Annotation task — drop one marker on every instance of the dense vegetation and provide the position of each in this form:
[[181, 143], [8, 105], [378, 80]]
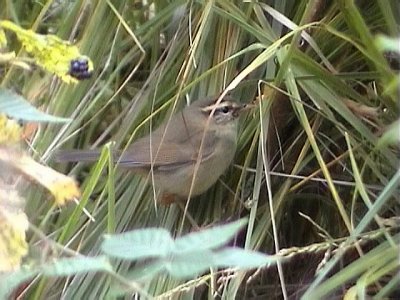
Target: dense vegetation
[[316, 171]]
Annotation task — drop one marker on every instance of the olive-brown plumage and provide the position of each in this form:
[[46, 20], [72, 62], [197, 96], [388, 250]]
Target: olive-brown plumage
[[205, 131]]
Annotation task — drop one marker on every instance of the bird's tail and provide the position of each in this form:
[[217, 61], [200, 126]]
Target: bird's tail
[[77, 155]]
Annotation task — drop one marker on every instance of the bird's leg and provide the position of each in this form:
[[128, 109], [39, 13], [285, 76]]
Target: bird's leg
[[167, 199]]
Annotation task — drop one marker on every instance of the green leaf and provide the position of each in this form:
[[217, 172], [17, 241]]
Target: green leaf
[[209, 238], [147, 270], [243, 259], [74, 265], [60, 267], [10, 281], [142, 243], [188, 265], [18, 108]]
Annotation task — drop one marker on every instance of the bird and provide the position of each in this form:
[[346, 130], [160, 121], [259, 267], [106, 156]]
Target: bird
[[186, 153]]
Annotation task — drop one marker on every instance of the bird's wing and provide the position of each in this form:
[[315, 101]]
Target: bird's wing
[[167, 155]]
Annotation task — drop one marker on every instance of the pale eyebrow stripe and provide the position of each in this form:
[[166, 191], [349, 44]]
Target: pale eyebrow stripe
[[216, 106]]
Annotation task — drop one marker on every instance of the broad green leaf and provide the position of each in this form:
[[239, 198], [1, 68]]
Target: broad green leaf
[[147, 270], [18, 108], [74, 265], [243, 259], [189, 265], [137, 244], [208, 238]]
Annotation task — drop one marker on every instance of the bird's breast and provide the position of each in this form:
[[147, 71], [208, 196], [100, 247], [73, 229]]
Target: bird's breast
[[180, 181]]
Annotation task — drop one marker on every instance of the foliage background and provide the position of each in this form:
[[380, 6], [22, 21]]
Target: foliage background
[[325, 102]]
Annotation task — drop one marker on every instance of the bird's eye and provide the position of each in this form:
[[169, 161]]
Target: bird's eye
[[224, 109]]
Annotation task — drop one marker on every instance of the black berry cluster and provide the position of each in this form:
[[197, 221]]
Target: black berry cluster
[[79, 69]]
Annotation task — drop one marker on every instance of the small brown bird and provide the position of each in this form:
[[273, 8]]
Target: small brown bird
[[204, 132]]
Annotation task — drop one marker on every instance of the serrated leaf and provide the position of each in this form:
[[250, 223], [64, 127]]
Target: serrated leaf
[[17, 107], [243, 259], [138, 244], [189, 265], [10, 281], [208, 238], [74, 265]]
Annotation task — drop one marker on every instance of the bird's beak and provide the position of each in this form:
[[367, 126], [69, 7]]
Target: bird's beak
[[248, 106], [243, 108]]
